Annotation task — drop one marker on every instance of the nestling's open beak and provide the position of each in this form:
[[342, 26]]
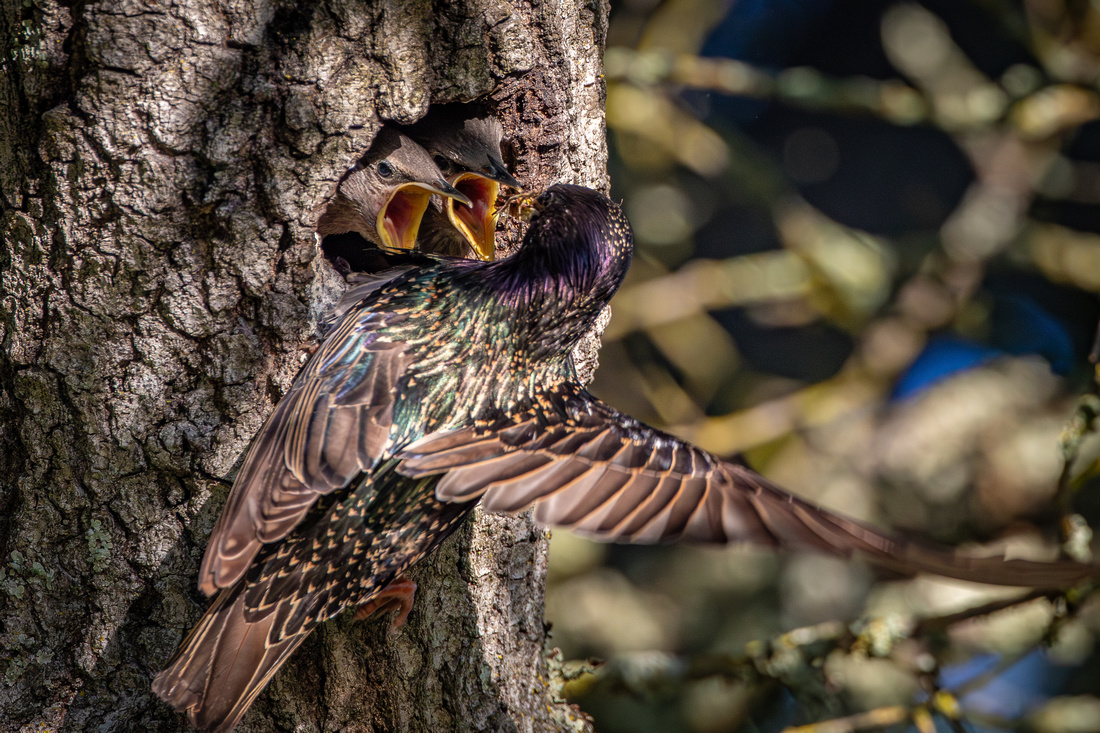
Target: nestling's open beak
[[477, 220], [399, 220]]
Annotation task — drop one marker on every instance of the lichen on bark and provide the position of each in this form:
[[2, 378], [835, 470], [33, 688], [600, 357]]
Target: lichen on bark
[[161, 170]]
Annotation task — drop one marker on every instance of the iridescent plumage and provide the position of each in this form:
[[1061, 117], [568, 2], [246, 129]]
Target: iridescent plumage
[[451, 383]]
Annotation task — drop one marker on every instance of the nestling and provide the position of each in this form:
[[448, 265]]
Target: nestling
[[384, 196], [464, 141]]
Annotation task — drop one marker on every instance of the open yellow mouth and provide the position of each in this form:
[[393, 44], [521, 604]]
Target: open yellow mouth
[[399, 220], [478, 222]]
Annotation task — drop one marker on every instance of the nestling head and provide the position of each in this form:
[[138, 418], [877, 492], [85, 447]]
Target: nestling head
[[384, 196]]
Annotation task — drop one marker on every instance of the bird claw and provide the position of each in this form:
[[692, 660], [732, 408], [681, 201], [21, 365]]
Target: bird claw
[[396, 596], [308, 349]]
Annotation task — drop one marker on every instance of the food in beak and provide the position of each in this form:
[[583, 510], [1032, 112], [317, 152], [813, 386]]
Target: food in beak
[[520, 206]]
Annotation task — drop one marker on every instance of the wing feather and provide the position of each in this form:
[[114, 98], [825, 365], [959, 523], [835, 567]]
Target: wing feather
[[567, 508], [645, 511], [465, 484], [333, 423], [675, 514], [516, 493], [591, 469]]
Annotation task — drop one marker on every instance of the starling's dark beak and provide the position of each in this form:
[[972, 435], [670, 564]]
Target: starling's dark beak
[[477, 220], [399, 220], [497, 172]]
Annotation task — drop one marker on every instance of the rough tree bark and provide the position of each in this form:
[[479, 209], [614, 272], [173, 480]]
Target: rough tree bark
[[162, 166]]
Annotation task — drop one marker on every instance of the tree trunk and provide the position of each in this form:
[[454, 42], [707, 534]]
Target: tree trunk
[[162, 167]]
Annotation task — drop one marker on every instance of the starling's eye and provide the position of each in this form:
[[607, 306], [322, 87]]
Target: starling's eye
[[547, 198], [444, 164], [385, 170]]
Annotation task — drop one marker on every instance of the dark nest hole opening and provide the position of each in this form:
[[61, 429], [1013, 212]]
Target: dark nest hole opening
[[350, 252]]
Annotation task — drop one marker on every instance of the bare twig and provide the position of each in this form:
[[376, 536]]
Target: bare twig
[[935, 624]]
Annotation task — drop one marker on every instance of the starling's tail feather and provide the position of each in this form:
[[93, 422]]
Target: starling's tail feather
[[225, 662]]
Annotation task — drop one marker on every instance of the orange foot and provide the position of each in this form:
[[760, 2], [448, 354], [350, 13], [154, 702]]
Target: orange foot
[[397, 596]]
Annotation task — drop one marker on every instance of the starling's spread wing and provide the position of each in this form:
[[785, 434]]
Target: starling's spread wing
[[603, 474], [333, 423], [592, 469]]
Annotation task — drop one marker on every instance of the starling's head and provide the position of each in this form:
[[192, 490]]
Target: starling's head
[[384, 196], [582, 236], [465, 143]]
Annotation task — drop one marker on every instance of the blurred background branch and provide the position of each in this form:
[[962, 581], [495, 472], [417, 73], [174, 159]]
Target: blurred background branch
[[812, 659]]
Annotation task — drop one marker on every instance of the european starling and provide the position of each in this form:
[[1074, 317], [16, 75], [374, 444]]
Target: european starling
[[384, 196], [464, 141], [452, 383]]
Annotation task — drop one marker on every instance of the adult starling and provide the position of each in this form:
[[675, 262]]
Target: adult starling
[[464, 141], [384, 196], [451, 383]]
